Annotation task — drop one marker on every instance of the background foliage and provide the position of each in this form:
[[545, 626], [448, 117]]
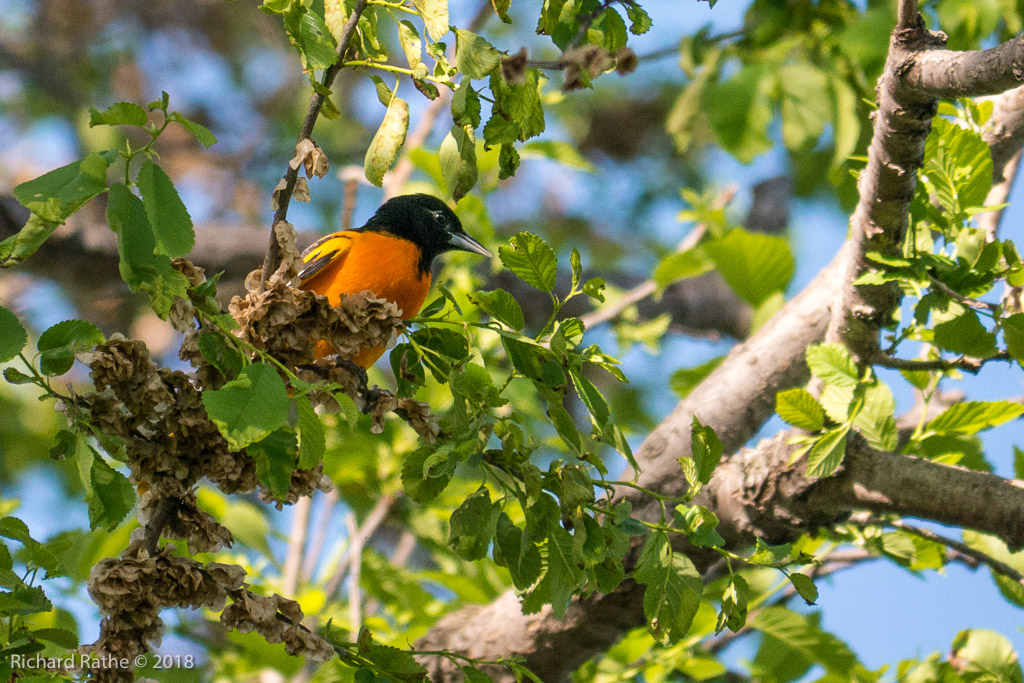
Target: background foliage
[[587, 179]]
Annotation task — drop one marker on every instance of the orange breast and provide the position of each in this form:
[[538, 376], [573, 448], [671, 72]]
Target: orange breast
[[386, 265]]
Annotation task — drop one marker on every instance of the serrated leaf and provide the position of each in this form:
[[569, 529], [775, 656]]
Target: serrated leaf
[[312, 439], [12, 335], [706, 449], [472, 526], [501, 306], [804, 585], [682, 265], [833, 364], [458, 161], [798, 408], [875, 421], [754, 264], [566, 428], [466, 105], [435, 16], [168, 217], [965, 335], [118, 114], [275, 460], [971, 417], [387, 141], [56, 195], [141, 267], [412, 46], [592, 398], [58, 345], [685, 380], [475, 57], [201, 133], [797, 637], [112, 497], [827, 453], [250, 407], [532, 260], [672, 588], [425, 474]]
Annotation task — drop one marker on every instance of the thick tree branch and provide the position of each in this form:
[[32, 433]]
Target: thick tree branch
[[316, 102], [947, 73], [757, 493]]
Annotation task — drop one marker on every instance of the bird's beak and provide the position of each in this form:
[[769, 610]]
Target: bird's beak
[[464, 242]]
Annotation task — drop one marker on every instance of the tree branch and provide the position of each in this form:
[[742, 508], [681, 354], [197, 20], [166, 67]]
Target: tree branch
[[316, 102], [947, 73]]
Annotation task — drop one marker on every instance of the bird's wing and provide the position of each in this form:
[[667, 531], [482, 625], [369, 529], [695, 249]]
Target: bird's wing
[[329, 249]]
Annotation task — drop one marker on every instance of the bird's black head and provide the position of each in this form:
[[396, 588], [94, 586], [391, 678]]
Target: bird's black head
[[427, 222]]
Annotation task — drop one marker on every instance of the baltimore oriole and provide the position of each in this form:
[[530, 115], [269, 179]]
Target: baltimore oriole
[[390, 256]]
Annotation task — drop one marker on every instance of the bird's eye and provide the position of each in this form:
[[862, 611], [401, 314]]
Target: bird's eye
[[441, 218]]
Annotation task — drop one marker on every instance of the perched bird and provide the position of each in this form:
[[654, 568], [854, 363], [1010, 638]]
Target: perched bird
[[390, 256]]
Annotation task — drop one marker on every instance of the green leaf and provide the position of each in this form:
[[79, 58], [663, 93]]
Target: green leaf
[[997, 549], [13, 336], [804, 585], [475, 675], [734, 604], [118, 114], [594, 288], [706, 448], [472, 526], [564, 573], [275, 459], [458, 161], [435, 16], [22, 244], [314, 42], [466, 105], [1018, 463], [65, 639], [796, 637], [875, 421], [474, 56], [986, 656], [566, 428], [250, 407], [412, 46], [640, 20], [966, 335], [141, 266], [754, 264], [805, 104], [426, 473], [59, 344], [312, 439], [56, 195], [827, 453], [798, 408], [672, 588], [398, 663], [517, 553], [532, 260], [387, 141], [167, 215], [201, 133], [559, 151], [501, 306], [112, 497], [682, 265], [971, 417], [1013, 333], [220, 354], [592, 398], [833, 364], [519, 103], [15, 376], [740, 112], [685, 380]]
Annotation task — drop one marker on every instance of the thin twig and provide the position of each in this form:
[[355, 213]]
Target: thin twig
[[356, 548], [965, 363], [373, 520], [649, 287], [316, 545], [296, 543], [995, 565], [957, 296], [906, 14], [316, 102]]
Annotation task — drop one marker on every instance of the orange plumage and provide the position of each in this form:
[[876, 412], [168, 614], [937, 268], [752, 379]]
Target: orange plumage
[[390, 256]]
